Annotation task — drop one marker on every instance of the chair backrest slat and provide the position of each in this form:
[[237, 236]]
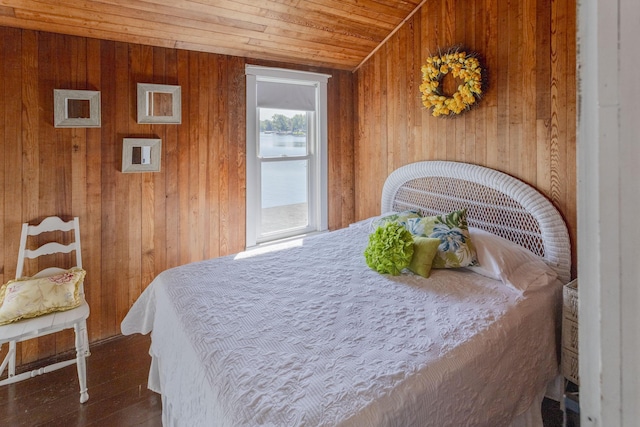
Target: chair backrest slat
[[49, 249], [49, 224], [52, 223]]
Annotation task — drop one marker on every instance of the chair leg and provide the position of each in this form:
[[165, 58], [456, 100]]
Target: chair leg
[[9, 360], [81, 352], [85, 338], [12, 358]]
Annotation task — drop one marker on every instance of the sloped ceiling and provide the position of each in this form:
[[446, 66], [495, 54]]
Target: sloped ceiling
[[327, 33]]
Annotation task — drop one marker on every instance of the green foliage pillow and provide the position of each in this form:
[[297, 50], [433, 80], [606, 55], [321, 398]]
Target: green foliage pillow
[[456, 249], [390, 249], [424, 251]]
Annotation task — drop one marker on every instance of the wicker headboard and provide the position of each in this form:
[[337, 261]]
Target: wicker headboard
[[495, 202]]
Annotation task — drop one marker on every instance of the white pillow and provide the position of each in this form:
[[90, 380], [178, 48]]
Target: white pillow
[[504, 260]]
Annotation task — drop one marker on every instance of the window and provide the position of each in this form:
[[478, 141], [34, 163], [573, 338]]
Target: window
[[286, 153]]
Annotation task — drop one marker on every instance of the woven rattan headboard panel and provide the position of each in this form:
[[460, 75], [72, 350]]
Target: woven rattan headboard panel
[[495, 202]]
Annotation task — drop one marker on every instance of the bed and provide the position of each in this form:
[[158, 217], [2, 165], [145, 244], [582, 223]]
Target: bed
[[304, 333]]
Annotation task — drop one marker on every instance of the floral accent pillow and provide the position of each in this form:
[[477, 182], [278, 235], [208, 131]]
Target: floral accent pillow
[[455, 249], [398, 217], [34, 296]]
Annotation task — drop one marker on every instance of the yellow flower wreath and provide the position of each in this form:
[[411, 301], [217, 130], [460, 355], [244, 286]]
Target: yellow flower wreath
[[461, 65]]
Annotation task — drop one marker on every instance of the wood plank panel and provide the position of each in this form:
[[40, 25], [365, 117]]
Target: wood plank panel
[[527, 163], [341, 155], [490, 23], [215, 122], [11, 159], [4, 274], [74, 149], [136, 225], [105, 311], [570, 206], [225, 152], [139, 198], [543, 100], [525, 123], [120, 256], [236, 94], [480, 119], [193, 111], [90, 226]]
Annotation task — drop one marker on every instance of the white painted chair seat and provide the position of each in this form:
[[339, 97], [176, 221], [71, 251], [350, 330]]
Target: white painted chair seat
[[75, 318], [52, 322]]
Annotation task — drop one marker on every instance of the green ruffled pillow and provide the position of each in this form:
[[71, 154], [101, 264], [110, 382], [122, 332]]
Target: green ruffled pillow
[[390, 249], [456, 249]]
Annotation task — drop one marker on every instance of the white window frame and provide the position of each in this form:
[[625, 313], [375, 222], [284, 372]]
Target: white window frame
[[318, 161]]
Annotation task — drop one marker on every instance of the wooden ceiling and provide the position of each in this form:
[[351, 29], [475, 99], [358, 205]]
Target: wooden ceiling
[[338, 34]]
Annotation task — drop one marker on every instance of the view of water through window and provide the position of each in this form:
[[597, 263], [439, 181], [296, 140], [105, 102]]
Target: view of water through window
[[284, 184]]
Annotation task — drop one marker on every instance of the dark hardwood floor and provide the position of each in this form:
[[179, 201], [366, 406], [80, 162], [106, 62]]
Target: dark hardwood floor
[[118, 396], [551, 413]]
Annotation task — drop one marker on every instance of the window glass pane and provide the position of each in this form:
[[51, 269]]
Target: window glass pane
[[282, 133], [284, 195]]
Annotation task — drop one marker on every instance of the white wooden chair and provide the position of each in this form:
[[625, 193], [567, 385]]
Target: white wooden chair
[[53, 322]]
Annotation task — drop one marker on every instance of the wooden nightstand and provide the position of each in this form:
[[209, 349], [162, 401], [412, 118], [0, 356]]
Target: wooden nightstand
[[569, 362]]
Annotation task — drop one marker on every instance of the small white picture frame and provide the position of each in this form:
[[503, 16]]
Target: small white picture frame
[[76, 108], [159, 103], [141, 155]]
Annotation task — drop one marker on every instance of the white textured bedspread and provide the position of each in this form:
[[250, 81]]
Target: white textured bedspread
[[310, 336]]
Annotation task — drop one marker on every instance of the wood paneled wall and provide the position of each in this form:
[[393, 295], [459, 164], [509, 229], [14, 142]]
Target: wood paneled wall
[[134, 226], [525, 125]]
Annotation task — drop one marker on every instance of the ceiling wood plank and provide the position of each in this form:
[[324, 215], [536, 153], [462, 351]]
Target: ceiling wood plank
[[329, 33]]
